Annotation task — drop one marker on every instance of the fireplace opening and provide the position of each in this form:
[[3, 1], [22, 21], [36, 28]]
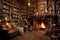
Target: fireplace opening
[[41, 25]]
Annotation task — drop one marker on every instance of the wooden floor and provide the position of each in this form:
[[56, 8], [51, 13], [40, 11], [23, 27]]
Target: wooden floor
[[34, 35]]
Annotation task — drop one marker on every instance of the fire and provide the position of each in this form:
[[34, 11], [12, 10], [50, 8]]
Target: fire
[[42, 25]]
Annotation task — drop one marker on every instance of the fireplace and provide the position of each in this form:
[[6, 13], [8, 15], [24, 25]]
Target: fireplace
[[41, 25]]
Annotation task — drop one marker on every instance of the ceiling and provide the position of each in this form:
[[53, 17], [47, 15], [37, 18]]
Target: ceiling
[[26, 1], [25, 4]]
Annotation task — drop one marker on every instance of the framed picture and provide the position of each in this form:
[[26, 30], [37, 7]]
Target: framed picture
[[41, 8]]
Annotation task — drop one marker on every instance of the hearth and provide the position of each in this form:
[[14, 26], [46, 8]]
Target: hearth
[[43, 23]]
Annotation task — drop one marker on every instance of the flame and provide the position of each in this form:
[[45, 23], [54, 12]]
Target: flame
[[42, 25]]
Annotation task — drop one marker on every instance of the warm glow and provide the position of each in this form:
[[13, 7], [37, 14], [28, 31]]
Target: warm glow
[[6, 18], [42, 25], [41, 8], [28, 4], [7, 23], [36, 13], [0, 20], [46, 10]]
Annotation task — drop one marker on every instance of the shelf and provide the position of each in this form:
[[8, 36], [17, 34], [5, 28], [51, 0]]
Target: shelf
[[10, 4], [14, 20], [6, 11], [15, 16], [6, 6], [6, 16], [15, 13], [11, 10]]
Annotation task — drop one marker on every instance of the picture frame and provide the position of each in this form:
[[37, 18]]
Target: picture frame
[[41, 9]]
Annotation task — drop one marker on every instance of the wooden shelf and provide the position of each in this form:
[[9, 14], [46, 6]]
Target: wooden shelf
[[6, 11], [15, 16], [10, 4]]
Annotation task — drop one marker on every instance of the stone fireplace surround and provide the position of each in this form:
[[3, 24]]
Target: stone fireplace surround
[[47, 20]]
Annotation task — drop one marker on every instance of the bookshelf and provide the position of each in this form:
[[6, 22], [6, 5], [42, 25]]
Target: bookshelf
[[11, 13], [10, 9]]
